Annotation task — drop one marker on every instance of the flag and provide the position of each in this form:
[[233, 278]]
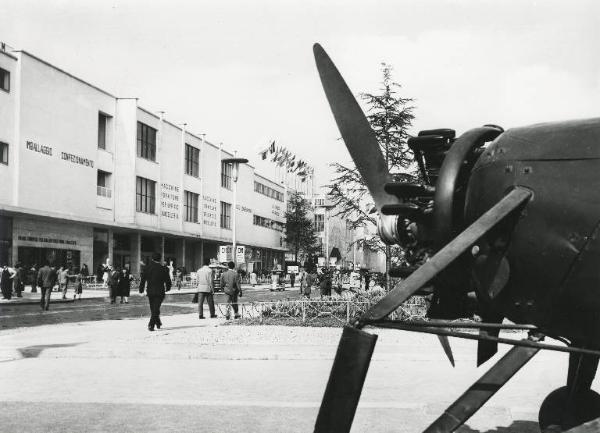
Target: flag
[[272, 147]]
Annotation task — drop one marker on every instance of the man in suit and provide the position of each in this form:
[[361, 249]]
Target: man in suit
[[159, 282], [230, 282], [46, 280]]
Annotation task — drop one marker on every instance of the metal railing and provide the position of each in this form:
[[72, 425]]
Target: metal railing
[[103, 191]]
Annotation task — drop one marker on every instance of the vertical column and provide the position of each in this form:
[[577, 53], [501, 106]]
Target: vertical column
[[136, 253], [162, 248], [181, 178], [182, 252], [157, 192], [111, 245], [201, 252]]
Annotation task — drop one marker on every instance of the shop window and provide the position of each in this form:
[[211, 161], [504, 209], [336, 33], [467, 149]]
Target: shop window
[[121, 241], [225, 215], [4, 153], [190, 204], [226, 172], [4, 80], [103, 184], [146, 141], [145, 193], [192, 161], [103, 122]]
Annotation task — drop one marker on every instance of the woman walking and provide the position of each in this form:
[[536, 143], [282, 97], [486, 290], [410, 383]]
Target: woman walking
[[124, 285]]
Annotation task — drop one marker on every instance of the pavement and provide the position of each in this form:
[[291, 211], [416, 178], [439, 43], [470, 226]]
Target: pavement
[[201, 376]]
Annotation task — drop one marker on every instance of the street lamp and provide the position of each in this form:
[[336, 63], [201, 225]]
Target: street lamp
[[235, 165]]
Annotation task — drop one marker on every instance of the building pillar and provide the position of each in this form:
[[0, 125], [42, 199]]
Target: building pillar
[[111, 246], [162, 249], [136, 253], [201, 253], [182, 253]]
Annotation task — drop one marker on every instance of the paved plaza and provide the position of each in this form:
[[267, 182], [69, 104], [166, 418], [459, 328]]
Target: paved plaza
[[206, 376]]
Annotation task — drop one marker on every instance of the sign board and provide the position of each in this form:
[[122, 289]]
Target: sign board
[[225, 253], [292, 269], [240, 254], [321, 261]]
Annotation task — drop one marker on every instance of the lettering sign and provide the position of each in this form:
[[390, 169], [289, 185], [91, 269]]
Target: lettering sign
[[243, 208], [36, 147], [76, 159], [169, 200], [46, 240], [225, 253], [209, 211], [276, 210], [47, 150]]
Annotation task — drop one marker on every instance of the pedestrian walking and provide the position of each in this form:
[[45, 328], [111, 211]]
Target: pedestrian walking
[[124, 284], [63, 280], [292, 279], [85, 272], [33, 273], [230, 282], [302, 279], [105, 275], [156, 277], [18, 280], [178, 278], [114, 276], [310, 281], [367, 280], [325, 283], [78, 284], [6, 281], [205, 290], [253, 279], [46, 280]]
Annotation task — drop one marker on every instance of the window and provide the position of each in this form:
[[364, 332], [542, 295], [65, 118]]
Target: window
[[145, 195], [225, 215], [268, 223], [319, 202], [226, 169], [269, 192], [103, 184], [319, 222], [192, 160], [102, 123], [4, 153], [4, 80], [146, 142], [190, 206]]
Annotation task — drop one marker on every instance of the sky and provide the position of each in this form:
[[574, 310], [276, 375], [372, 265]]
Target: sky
[[243, 73]]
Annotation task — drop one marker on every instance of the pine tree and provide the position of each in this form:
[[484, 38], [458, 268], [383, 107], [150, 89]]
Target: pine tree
[[390, 117], [300, 234]]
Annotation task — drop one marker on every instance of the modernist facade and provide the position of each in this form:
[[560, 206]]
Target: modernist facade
[[87, 176]]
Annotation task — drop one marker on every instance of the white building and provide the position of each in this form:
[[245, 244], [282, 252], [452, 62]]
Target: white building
[[87, 176]]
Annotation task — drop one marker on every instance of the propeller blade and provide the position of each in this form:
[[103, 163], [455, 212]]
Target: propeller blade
[[482, 390], [355, 129], [446, 256], [447, 349], [346, 380]]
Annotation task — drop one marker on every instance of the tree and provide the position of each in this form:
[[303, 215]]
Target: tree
[[390, 117], [300, 233]]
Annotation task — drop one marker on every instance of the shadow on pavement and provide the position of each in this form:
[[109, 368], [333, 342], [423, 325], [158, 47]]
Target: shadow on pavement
[[34, 351], [515, 427]]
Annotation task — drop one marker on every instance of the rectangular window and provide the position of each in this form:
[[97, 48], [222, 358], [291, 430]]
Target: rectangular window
[[268, 191], [4, 80], [102, 123], [103, 184], [226, 171], [4, 153], [190, 205], [146, 141], [145, 193], [319, 202], [319, 223], [225, 215], [192, 160]]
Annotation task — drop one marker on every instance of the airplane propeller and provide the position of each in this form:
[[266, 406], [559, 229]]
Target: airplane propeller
[[356, 346]]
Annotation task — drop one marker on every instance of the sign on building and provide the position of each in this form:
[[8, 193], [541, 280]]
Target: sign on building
[[240, 255], [225, 253]]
